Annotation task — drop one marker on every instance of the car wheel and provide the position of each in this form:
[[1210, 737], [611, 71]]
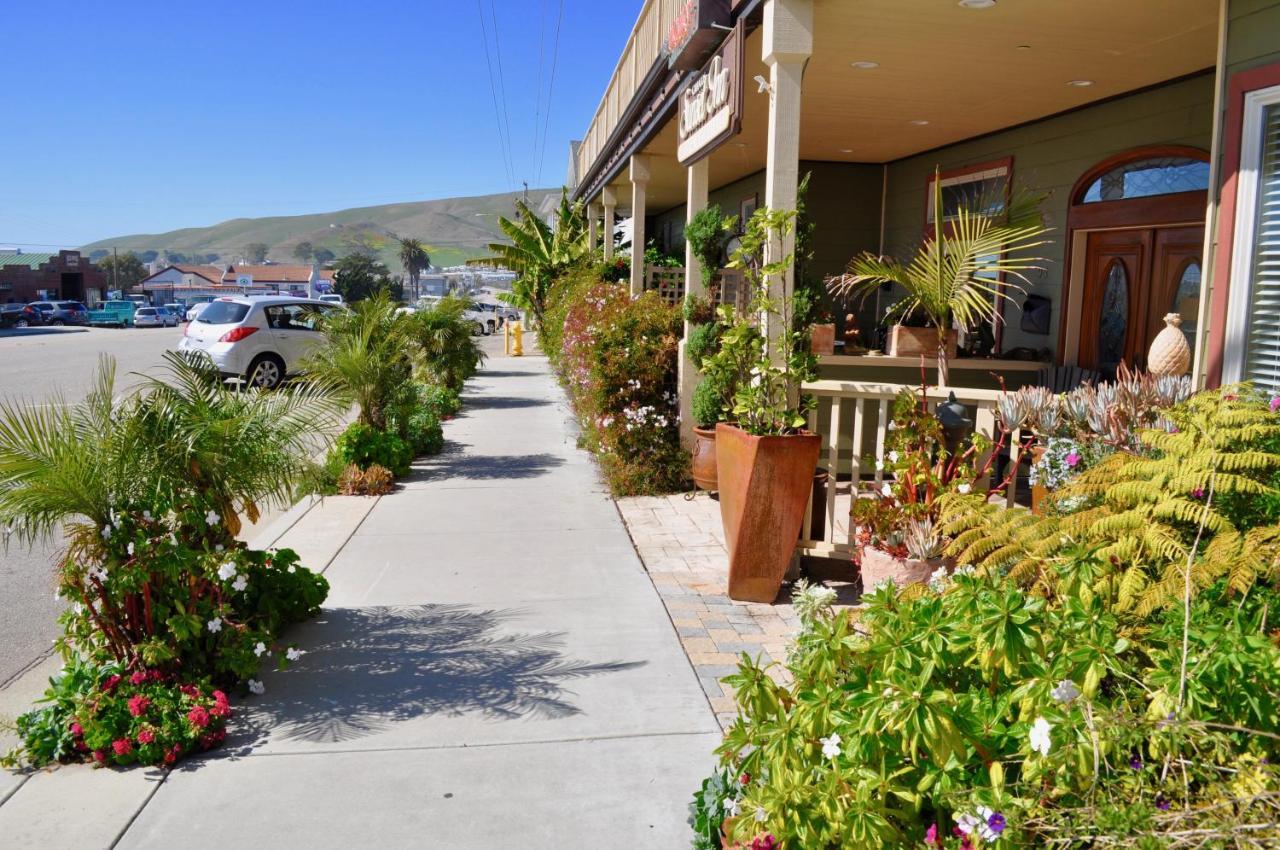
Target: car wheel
[[480, 329], [57, 323], [266, 372], [21, 323], [493, 327]]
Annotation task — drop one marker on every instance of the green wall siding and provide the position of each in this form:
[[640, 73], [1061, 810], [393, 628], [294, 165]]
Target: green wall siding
[[1253, 34], [1048, 157]]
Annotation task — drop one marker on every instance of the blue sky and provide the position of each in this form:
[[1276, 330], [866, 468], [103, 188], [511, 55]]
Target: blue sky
[[132, 116]]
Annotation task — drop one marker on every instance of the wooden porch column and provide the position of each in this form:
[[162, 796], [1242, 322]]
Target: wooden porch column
[[695, 202], [610, 199], [593, 230], [788, 43], [639, 183]]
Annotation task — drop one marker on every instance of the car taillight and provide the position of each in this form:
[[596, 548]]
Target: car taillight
[[237, 334]]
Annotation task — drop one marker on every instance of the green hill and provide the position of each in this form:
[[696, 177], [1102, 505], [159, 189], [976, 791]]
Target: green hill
[[453, 229]]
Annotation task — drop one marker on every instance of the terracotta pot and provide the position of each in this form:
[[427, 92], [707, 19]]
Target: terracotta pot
[[765, 484], [822, 339], [1169, 353], [704, 459], [878, 565], [911, 342], [1038, 491]]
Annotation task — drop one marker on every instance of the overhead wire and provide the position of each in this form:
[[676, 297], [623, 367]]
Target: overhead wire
[[493, 90], [555, 57], [502, 90], [537, 99]]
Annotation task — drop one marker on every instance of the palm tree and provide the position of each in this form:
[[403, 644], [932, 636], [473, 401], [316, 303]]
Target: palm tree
[[538, 252], [365, 355], [958, 275], [415, 259], [447, 353], [186, 438]]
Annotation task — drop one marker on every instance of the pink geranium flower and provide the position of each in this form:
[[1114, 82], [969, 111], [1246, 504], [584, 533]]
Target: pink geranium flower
[[198, 716], [76, 729], [138, 704], [110, 684], [1275, 404], [122, 746], [146, 736], [139, 677], [1073, 459]]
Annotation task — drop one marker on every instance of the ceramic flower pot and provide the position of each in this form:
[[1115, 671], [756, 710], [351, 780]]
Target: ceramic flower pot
[[878, 566], [765, 484], [705, 475], [913, 342], [1169, 353], [822, 339]]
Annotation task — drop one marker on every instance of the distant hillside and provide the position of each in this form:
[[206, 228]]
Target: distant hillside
[[453, 229]]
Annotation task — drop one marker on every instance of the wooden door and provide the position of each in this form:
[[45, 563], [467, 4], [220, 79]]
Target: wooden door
[[1132, 279]]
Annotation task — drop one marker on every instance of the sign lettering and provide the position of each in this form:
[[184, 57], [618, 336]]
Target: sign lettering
[[710, 108]]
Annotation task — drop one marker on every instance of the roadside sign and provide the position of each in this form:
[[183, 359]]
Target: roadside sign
[[244, 280]]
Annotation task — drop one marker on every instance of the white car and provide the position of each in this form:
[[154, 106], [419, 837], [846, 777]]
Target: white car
[[261, 340], [149, 317], [332, 298], [195, 309]]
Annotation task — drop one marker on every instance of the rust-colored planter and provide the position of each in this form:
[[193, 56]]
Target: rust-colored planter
[[764, 488], [822, 339], [911, 342], [878, 566], [704, 459]]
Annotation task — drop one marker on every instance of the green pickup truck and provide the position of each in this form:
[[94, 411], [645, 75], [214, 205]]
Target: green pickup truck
[[117, 314]]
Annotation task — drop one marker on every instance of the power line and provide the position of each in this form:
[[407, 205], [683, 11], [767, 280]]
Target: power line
[[502, 89], [555, 57], [537, 99], [488, 61]]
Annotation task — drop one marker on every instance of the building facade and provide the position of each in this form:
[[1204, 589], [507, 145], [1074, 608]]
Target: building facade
[[1149, 128], [65, 275]]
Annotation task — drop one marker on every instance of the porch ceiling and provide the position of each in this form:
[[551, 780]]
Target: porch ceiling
[[964, 71]]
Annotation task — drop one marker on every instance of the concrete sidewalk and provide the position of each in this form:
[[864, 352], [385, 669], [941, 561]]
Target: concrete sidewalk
[[493, 669]]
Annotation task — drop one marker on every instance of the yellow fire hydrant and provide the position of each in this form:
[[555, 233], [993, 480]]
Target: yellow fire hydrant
[[517, 333]]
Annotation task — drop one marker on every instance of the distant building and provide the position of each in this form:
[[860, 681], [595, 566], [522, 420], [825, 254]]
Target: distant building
[[65, 275], [187, 283]]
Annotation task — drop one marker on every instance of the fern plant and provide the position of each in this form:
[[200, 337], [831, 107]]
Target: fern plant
[[1148, 513]]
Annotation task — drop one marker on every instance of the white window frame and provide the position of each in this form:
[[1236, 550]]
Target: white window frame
[[1235, 342], [1002, 170]]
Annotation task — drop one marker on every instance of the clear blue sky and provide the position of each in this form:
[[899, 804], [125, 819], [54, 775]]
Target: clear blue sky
[[140, 116]]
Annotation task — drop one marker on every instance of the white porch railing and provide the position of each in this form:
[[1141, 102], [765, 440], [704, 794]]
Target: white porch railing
[[728, 288], [852, 417]]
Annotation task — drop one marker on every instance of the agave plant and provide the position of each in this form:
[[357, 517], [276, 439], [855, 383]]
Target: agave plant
[[1036, 408], [923, 541], [955, 278]]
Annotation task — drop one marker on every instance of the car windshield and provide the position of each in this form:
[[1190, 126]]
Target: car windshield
[[223, 313], [146, 311]]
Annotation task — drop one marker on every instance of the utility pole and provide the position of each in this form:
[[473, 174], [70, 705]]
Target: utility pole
[[115, 269], [526, 193]]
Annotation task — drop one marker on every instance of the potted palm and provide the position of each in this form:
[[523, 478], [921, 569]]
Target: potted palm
[[765, 459], [956, 278]]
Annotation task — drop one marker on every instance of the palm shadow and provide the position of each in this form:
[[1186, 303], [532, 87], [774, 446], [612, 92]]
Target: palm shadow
[[370, 668], [455, 464], [500, 403]]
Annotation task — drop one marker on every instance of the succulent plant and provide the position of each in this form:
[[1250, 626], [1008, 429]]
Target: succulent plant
[[1036, 408], [923, 541]]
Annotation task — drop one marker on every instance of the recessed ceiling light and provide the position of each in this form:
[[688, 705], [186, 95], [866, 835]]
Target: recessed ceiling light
[[1080, 83], [977, 4], [920, 122], [846, 150], [1023, 47], [865, 64]]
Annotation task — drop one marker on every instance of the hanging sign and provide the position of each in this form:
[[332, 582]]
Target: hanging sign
[[709, 111], [694, 32]]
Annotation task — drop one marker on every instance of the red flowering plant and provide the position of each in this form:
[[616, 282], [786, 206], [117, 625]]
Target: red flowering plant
[[919, 466]]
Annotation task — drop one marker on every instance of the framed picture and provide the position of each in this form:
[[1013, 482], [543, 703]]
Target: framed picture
[[746, 209]]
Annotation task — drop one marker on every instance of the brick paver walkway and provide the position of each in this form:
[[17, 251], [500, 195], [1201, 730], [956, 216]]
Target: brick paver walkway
[[681, 542]]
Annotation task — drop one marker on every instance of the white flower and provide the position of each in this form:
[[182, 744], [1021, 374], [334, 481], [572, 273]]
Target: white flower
[[1040, 741], [979, 822], [886, 490], [879, 465], [146, 515], [893, 457], [106, 531], [292, 568], [831, 746], [227, 571], [173, 539], [1065, 691], [99, 573], [219, 548], [293, 653], [240, 584], [964, 489], [259, 649], [257, 687], [129, 549], [211, 518], [761, 814], [939, 579], [215, 625], [730, 807]]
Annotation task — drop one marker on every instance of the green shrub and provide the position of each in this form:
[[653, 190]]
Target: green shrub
[[703, 342], [365, 446], [443, 401], [708, 403], [423, 432], [447, 353]]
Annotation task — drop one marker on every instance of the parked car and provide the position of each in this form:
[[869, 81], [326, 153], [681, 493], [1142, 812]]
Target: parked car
[[260, 340], [114, 313], [172, 314], [332, 298], [497, 316], [19, 316], [149, 317], [194, 310], [59, 313]]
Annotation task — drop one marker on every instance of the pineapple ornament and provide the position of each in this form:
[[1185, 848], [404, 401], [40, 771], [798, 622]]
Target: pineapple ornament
[[1170, 354]]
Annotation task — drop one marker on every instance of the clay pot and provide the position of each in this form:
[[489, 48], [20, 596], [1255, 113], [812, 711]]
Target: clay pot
[[878, 565], [822, 339], [1038, 491], [765, 484], [704, 459], [912, 342], [1169, 353]]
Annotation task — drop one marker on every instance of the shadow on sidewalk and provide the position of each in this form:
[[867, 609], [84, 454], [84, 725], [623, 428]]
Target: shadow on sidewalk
[[369, 668], [491, 373], [454, 463], [499, 402]]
